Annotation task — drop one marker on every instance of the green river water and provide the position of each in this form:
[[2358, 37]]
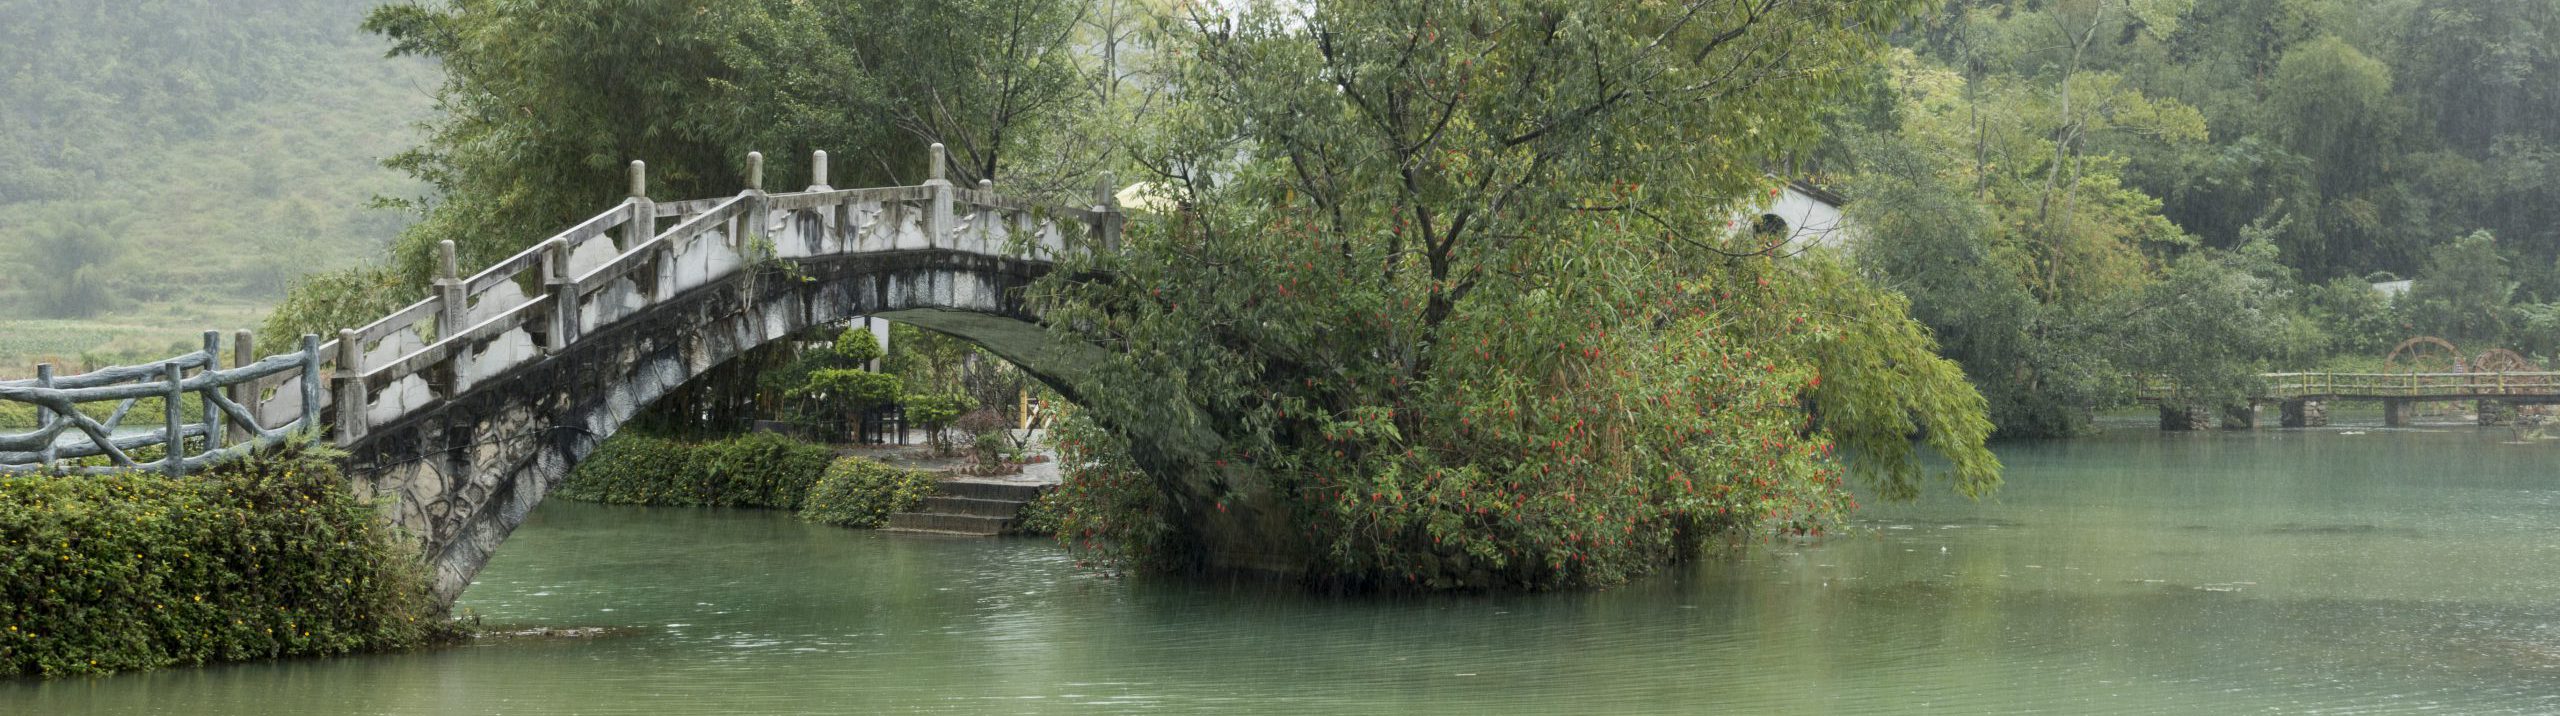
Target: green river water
[[2318, 571]]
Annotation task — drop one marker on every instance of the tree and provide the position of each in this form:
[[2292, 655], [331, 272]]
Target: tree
[[2464, 293], [2018, 252], [2213, 322], [67, 274], [1461, 283], [830, 385]]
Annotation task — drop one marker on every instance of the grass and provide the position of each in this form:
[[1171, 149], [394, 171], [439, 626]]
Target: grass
[[140, 334]]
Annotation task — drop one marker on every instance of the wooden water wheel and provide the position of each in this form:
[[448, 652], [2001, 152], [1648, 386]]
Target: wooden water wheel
[[2425, 354], [2501, 360], [2504, 362]]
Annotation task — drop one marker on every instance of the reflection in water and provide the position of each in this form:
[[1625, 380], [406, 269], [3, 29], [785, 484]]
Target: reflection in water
[[2132, 573]]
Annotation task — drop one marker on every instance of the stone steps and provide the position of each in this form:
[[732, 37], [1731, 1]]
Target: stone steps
[[1016, 492], [966, 507], [971, 506], [946, 523]]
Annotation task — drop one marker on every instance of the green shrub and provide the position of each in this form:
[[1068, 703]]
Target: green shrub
[[266, 557], [863, 493], [756, 470], [1039, 516]]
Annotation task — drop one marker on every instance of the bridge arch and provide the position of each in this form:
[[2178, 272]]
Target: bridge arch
[[460, 473]]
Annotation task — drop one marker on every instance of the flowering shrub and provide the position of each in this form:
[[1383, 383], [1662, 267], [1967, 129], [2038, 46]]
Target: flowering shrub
[[856, 492], [265, 557]]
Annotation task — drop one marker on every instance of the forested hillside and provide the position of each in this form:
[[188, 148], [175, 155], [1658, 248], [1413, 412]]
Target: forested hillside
[[2076, 190], [167, 167]]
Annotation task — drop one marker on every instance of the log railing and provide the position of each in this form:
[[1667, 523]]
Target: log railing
[[242, 406], [536, 303]]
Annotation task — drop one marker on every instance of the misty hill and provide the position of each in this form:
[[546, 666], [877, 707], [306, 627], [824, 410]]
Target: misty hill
[[167, 166]]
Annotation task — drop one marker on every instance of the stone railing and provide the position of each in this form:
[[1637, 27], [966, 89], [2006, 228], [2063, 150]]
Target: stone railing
[[472, 329]]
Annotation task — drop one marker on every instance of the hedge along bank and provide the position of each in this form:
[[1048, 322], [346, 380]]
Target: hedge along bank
[[757, 470], [265, 557]]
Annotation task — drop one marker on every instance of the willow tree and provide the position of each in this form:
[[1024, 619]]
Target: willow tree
[[1460, 287]]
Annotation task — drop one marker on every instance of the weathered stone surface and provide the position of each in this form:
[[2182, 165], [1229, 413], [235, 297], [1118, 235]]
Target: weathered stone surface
[[461, 473]]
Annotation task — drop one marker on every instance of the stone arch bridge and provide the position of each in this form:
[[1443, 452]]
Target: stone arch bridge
[[461, 411]]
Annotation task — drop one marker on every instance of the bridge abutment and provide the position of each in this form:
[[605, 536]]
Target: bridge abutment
[[2496, 412], [2182, 418], [2240, 416], [2398, 413], [2304, 413]]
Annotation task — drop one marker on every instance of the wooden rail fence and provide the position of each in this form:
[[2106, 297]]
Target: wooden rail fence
[[253, 402]]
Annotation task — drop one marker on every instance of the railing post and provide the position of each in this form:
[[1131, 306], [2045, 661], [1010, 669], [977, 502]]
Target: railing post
[[44, 415], [450, 304], [752, 221], [311, 382], [244, 351], [937, 218], [1106, 213], [213, 432], [644, 213], [173, 459], [564, 295], [351, 400]]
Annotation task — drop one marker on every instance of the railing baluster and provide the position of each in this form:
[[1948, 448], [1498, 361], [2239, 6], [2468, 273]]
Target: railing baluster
[[44, 415], [213, 433], [311, 382], [937, 218], [244, 351], [351, 402], [173, 402], [644, 213]]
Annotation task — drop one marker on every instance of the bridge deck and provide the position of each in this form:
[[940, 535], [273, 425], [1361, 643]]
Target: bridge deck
[[2521, 387]]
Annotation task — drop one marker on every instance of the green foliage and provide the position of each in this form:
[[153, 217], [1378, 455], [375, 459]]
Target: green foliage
[[1456, 283], [2358, 320], [68, 276], [1040, 517], [853, 388], [929, 361], [2215, 320], [754, 470], [856, 492], [213, 150], [693, 87], [857, 346], [1105, 508], [2464, 292], [266, 557], [934, 412], [322, 303]]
